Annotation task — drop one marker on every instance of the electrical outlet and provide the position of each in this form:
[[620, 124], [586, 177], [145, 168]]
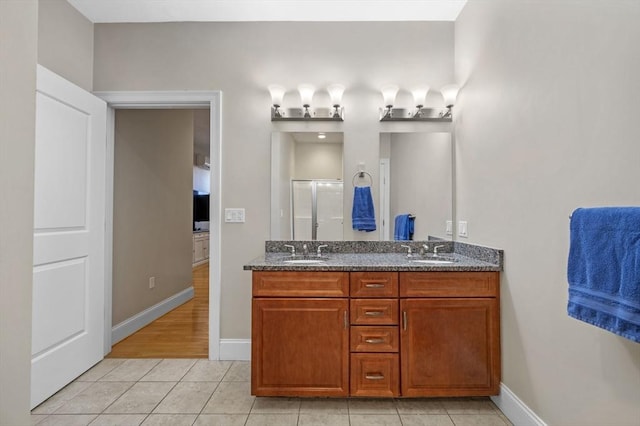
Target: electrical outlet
[[463, 230], [152, 282], [449, 229]]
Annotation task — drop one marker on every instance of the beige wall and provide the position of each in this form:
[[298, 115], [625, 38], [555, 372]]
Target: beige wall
[[65, 42], [547, 122], [242, 59], [152, 218], [318, 161], [18, 58]]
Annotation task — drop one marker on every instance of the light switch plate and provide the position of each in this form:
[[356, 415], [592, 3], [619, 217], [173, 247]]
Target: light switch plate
[[234, 215], [449, 229], [463, 231]]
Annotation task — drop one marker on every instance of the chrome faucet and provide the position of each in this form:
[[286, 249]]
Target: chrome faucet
[[320, 249], [293, 249], [435, 250], [409, 252], [424, 249], [305, 250]]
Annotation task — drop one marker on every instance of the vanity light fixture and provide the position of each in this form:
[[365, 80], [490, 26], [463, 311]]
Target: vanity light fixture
[[306, 94], [389, 93], [419, 96], [335, 93], [322, 135], [420, 113], [307, 113], [277, 95], [449, 93]]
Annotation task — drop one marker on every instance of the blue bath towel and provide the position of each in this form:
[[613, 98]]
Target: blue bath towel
[[363, 216], [404, 225], [604, 269]]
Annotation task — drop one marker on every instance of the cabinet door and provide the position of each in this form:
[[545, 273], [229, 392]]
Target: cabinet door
[[450, 347], [300, 347], [198, 249], [205, 248]]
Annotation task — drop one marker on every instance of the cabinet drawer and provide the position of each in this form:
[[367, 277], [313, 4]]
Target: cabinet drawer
[[374, 284], [375, 375], [374, 311], [449, 284], [374, 339], [300, 284]]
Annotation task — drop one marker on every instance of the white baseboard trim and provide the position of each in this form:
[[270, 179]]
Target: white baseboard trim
[[516, 411], [139, 320], [235, 349]]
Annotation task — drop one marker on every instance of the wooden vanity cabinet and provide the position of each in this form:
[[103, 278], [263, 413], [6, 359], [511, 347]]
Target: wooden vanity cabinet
[[375, 334], [450, 333], [300, 334]]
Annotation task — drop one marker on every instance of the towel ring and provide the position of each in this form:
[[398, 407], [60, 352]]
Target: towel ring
[[361, 175]]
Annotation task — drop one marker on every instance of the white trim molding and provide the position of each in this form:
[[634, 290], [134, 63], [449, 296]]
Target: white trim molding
[[146, 317], [235, 349], [189, 99], [516, 411]]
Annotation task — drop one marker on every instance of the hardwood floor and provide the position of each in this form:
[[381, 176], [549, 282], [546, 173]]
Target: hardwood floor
[[181, 333]]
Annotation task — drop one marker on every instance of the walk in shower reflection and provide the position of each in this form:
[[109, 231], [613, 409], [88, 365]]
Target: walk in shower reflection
[[317, 209]]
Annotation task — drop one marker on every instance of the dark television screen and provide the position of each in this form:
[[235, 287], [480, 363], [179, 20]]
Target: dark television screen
[[200, 207]]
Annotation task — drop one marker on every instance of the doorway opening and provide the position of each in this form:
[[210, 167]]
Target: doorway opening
[[209, 274]]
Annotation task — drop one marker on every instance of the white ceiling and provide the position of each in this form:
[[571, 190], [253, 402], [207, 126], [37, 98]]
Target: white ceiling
[[103, 11], [312, 137]]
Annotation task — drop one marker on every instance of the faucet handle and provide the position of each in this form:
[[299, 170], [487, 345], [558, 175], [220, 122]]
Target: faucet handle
[[435, 250], [293, 249], [320, 247], [409, 252]]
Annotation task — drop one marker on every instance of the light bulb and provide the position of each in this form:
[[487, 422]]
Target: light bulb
[[277, 94], [306, 93], [335, 92], [389, 94], [449, 93], [419, 95]]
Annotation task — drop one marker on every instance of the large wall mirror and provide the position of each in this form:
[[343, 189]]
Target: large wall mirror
[[417, 181], [307, 185]]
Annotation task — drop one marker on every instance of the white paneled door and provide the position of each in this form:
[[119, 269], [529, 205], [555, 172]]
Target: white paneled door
[[68, 235]]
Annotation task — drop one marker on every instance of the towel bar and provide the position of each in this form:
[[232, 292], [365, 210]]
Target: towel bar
[[361, 175]]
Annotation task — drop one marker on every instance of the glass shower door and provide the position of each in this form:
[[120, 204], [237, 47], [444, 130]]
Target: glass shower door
[[317, 210], [329, 211]]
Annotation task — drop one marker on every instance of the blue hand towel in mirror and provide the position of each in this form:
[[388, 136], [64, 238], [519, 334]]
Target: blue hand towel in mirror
[[363, 215]]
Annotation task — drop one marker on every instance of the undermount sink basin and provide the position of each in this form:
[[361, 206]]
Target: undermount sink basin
[[305, 261], [433, 261]]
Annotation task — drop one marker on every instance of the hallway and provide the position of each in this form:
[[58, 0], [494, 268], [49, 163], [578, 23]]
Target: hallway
[[181, 333]]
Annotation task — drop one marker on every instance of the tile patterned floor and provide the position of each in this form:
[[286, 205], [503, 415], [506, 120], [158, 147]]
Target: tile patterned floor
[[190, 392]]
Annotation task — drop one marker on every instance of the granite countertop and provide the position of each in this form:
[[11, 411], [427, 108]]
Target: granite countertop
[[368, 262]]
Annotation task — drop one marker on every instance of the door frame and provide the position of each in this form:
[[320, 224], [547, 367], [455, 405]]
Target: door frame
[[385, 198], [170, 100]]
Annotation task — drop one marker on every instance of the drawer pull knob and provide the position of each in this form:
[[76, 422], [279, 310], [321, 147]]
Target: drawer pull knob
[[375, 341], [374, 285], [374, 313], [374, 376]]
